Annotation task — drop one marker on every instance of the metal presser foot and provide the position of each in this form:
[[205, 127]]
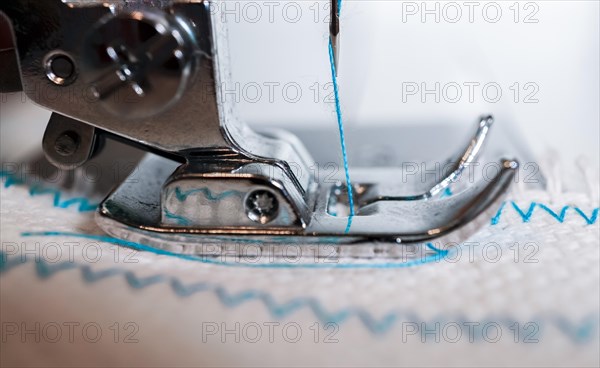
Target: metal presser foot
[[147, 75]]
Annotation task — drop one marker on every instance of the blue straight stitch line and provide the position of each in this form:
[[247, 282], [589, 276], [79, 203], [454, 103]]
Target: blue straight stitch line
[[338, 111], [440, 254]]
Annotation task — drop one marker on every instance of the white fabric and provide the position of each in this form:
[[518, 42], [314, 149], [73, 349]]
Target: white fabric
[[552, 281]]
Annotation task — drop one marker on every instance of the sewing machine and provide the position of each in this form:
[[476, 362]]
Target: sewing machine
[[146, 73]]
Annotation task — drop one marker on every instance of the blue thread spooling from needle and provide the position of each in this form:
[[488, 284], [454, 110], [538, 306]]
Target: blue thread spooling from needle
[[338, 111]]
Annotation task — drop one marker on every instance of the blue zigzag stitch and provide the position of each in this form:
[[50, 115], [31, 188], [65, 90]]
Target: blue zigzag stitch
[[208, 194], [579, 333], [85, 205], [180, 220], [590, 220], [560, 216], [37, 189]]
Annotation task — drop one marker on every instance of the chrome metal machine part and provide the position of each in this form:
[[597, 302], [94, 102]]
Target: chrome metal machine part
[[334, 32], [146, 73]]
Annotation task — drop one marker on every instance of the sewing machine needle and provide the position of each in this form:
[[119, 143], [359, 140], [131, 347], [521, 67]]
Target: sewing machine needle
[[334, 32]]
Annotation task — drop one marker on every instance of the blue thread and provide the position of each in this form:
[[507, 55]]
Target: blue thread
[[36, 189], [180, 220], [349, 224], [446, 193], [579, 333], [437, 257], [590, 220], [496, 218], [338, 111], [442, 252], [560, 218], [526, 215], [10, 180], [85, 206], [208, 194]]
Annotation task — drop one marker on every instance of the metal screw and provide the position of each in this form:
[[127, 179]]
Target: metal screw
[[67, 144], [137, 65], [262, 206]]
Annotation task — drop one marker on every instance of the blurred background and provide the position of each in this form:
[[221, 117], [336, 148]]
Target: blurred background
[[533, 65]]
